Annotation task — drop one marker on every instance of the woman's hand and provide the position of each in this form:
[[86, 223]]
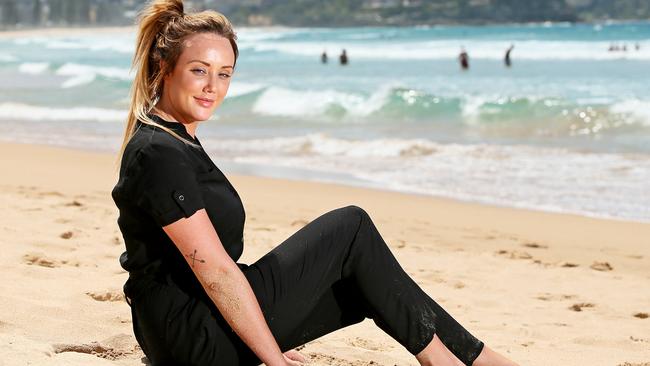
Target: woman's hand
[[294, 358]]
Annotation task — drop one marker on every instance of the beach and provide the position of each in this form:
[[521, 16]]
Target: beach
[[543, 288], [517, 197]]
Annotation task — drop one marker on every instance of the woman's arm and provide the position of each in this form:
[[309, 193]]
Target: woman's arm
[[225, 283]]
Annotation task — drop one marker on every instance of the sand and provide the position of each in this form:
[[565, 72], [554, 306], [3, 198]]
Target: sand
[[544, 289]]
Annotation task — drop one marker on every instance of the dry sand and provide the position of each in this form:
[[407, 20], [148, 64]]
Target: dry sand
[[545, 289]]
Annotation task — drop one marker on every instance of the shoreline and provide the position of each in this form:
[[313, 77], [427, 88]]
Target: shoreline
[[292, 186], [297, 175], [529, 284]]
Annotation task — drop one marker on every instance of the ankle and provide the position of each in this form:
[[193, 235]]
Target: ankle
[[437, 354]]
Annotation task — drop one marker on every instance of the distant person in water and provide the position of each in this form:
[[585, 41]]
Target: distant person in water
[[343, 59], [637, 46], [463, 58], [507, 59], [323, 57]]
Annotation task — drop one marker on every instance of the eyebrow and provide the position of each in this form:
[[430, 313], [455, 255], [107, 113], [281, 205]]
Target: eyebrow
[[208, 64]]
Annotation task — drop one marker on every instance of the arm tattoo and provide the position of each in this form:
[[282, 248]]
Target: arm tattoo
[[194, 258]]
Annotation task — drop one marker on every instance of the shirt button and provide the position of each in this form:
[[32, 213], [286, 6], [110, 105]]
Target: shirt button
[[181, 197]]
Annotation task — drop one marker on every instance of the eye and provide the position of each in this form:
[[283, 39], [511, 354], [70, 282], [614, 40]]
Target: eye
[[199, 71], [224, 75]]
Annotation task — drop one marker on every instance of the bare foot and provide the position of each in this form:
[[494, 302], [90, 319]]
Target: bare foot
[[437, 354]]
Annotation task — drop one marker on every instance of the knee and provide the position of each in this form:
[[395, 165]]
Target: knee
[[355, 211]]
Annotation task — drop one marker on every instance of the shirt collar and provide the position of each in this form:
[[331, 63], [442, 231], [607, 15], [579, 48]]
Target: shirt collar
[[174, 126]]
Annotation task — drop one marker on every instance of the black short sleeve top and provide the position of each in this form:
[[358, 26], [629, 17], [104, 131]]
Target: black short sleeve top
[[162, 180]]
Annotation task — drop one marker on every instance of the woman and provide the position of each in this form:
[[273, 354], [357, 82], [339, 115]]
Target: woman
[[182, 223]]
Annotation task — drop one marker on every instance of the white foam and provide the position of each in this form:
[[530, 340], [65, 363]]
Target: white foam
[[33, 68], [639, 110], [25, 112], [85, 74], [238, 88], [78, 80], [5, 57], [252, 34], [122, 43], [378, 148], [551, 179], [277, 101], [471, 109], [319, 144], [74, 69]]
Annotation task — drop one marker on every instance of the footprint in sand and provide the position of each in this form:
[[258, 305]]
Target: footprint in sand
[[93, 348], [458, 285], [636, 339], [580, 306], [514, 254], [66, 235], [601, 266], [568, 265], [553, 297], [534, 245], [112, 348], [263, 228], [40, 260], [74, 203], [641, 315], [321, 358], [111, 295], [367, 344]]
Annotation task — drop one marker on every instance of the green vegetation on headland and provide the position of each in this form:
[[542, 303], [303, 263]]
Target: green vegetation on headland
[[330, 13], [423, 12]]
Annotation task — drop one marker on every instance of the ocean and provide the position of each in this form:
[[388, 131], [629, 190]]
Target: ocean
[[566, 128]]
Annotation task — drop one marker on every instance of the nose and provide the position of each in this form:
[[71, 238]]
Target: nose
[[211, 84]]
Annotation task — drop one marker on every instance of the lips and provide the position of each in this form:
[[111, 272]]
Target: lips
[[204, 102]]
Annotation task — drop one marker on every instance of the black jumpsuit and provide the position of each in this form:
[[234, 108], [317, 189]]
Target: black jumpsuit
[[334, 272]]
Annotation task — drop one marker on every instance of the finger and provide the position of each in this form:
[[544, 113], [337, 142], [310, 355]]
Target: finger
[[295, 355], [291, 362]]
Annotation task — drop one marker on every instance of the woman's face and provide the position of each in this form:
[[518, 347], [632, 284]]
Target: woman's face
[[200, 80]]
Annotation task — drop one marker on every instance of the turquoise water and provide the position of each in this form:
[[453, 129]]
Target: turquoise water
[[566, 128]]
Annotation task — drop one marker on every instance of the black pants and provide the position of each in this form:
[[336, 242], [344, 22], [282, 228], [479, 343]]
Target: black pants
[[332, 273]]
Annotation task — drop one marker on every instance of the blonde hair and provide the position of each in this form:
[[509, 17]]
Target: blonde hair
[[163, 26]]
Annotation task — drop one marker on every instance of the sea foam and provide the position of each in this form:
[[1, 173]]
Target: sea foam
[[33, 68], [24, 112]]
